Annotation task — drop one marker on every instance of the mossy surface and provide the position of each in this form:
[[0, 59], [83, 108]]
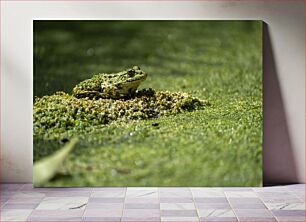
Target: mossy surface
[[61, 112], [219, 145]]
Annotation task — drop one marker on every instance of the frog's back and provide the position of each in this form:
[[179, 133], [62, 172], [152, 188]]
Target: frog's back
[[88, 86]]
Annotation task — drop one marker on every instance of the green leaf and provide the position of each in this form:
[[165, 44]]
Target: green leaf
[[46, 168]]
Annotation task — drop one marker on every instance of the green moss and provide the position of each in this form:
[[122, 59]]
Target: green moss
[[61, 112]]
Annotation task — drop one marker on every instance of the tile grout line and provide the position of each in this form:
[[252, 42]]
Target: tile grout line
[[123, 207], [158, 197], [5, 202], [194, 203], [294, 194], [265, 205], [91, 191], [23, 186], [19, 189], [37, 204], [230, 205]]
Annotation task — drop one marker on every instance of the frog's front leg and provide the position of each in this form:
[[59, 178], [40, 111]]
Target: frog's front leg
[[110, 91]]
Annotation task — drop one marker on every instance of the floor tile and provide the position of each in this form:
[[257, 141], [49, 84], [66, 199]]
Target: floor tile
[[7, 193], [106, 200], [141, 192], [285, 206], [210, 200], [237, 189], [54, 219], [26, 194], [56, 213], [3, 199], [109, 193], [142, 200], [273, 197], [207, 192], [177, 206], [279, 189], [175, 189], [15, 214], [178, 213], [2, 204], [27, 187], [280, 200], [142, 213], [291, 219], [245, 200], [296, 187], [101, 219], [253, 213], [252, 219], [19, 201], [110, 189], [103, 212], [30, 188], [216, 213], [140, 219], [69, 189], [10, 186], [273, 194], [289, 213], [145, 189], [62, 203], [24, 200], [300, 195], [218, 219], [240, 194], [176, 200], [104, 206], [248, 206], [68, 193], [179, 219], [213, 205], [20, 206], [141, 206], [175, 192]]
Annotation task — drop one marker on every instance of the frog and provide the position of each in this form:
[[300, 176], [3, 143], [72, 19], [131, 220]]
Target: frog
[[111, 86]]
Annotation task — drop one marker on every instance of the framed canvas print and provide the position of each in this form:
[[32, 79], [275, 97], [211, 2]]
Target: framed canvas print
[[147, 103]]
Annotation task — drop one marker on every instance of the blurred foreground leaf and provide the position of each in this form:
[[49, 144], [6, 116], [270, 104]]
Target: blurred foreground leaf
[[46, 168]]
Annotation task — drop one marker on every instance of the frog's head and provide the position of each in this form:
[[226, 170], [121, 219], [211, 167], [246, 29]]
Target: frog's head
[[127, 82], [134, 74]]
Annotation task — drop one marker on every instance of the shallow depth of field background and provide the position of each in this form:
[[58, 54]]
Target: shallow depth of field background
[[220, 61]]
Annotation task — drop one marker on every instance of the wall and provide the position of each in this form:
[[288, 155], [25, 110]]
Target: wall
[[284, 79]]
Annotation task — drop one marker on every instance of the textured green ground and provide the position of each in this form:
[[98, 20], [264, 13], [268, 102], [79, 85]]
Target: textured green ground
[[219, 61]]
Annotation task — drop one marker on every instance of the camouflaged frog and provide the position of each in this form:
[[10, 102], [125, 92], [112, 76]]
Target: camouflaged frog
[[115, 86]]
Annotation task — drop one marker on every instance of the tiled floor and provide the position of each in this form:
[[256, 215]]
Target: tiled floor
[[20, 202]]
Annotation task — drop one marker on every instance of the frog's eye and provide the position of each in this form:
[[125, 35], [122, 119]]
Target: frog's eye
[[131, 73]]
